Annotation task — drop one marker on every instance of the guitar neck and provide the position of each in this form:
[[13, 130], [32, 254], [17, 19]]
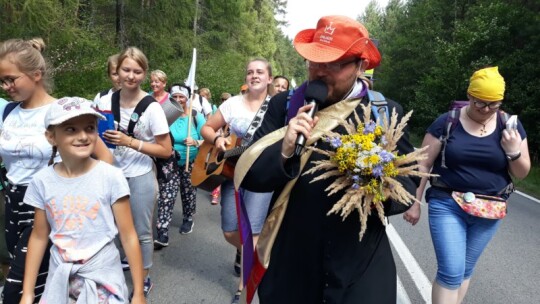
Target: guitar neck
[[234, 152]]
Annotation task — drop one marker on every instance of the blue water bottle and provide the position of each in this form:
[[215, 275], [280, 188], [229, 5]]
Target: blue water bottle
[[104, 125]]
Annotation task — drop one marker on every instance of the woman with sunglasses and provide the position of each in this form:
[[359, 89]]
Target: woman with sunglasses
[[240, 113], [478, 159]]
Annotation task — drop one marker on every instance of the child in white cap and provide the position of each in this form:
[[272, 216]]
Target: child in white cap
[[77, 203]]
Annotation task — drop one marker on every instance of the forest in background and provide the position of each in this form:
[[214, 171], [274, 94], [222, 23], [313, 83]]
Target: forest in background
[[81, 34], [430, 48]]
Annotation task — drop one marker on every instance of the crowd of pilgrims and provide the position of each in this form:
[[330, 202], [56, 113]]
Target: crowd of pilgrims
[[39, 165]]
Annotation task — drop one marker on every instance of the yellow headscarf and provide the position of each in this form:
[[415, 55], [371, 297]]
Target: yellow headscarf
[[487, 84]]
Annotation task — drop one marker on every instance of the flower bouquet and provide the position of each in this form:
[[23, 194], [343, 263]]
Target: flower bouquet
[[366, 163]]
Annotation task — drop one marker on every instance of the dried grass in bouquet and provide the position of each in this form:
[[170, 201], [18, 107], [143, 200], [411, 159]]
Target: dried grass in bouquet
[[366, 163]]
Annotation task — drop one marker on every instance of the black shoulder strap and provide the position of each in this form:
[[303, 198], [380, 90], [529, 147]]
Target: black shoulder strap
[[449, 126], [194, 117], [9, 107], [103, 93], [115, 106], [138, 112]]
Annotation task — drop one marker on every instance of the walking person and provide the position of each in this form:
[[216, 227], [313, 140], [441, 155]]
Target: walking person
[[280, 84], [139, 137], [26, 77], [310, 256], [81, 204], [181, 179], [112, 61], [240, 112], [478, 158], [158, 83]]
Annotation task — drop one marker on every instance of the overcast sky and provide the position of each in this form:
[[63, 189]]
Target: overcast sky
[[304, 14]]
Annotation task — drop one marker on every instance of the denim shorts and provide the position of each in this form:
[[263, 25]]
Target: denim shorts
[[458, 238], [256, 206]]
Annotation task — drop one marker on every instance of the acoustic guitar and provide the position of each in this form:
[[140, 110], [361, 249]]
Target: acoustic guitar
[[211, 168]]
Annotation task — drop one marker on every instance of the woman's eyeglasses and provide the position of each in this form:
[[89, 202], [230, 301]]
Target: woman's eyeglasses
[[491, 105]]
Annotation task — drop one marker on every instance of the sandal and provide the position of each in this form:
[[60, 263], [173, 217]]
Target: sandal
[[236, 298]]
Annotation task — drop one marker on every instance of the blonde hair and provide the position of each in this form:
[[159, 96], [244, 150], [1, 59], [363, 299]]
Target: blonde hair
[[112, 62], [135, 54], [160, 75], [27, 56], [207, 92]]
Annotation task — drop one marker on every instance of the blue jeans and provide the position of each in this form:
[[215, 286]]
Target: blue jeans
[[256, 207], [458, 239]]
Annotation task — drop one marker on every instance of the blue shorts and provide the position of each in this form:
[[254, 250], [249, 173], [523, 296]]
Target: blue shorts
[[458, 238], [256, 206]]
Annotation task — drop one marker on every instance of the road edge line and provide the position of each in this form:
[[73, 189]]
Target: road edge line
[[417, 274]]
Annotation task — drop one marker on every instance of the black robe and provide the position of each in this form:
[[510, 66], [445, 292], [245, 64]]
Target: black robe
[[318, 258]]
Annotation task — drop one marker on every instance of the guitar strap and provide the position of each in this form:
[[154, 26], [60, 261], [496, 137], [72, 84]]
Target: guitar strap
[[256, 122]]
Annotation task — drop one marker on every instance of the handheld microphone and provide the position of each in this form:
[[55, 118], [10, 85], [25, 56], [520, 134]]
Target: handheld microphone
[[315, 94]]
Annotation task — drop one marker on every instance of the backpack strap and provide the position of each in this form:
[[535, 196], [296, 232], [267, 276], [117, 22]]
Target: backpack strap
[[115, 106], [503, 117], [9, 107], [379, 106], [449, 126], [194, 117], [138, 112]]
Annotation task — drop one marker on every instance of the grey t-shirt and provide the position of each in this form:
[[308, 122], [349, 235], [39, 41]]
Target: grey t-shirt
[[79, 209]]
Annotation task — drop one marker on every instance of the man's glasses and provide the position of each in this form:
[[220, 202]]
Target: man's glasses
[[9, 81], [491, 105], [332, 66]]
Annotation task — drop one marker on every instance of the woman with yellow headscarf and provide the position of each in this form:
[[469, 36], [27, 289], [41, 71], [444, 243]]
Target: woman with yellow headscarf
[[475, 155]]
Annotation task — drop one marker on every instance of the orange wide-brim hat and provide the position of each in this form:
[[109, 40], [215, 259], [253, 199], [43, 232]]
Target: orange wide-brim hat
[[336, 37]]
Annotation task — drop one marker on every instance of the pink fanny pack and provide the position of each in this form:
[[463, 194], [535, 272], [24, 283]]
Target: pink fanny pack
[[490, 207]]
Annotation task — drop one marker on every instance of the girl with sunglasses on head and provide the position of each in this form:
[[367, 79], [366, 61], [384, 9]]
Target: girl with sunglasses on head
[[25, 76]]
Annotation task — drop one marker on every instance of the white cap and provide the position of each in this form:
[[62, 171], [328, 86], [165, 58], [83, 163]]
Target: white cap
[[67, 108]]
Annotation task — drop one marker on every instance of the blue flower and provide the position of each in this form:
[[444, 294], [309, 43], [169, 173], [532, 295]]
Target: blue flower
[[355, 186], [377, 171], [335, 142], [383, 140], [386, 156], [369, 127], [356, 179]]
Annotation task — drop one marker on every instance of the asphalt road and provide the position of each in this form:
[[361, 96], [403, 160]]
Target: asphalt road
[[507, 271], [198, 267]]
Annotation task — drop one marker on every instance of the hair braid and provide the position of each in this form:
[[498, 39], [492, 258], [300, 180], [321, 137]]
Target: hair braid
[[53, 155]]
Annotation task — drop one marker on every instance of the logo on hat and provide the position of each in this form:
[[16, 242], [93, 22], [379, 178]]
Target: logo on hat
[[329, 29], [69, 104]]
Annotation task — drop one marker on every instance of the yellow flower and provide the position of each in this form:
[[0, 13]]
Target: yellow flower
[[374, 159], [378, 131]]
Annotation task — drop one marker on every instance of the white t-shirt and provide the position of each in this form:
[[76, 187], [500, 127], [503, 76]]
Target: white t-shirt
[[79, 209], [23, 145], [237, 115], [205, 108], [151, 123], [98, 95]]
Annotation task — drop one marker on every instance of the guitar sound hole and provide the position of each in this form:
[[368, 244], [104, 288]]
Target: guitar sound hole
[[219, 157]]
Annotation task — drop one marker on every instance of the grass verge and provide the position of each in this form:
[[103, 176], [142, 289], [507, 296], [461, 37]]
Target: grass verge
[[530, 184]]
